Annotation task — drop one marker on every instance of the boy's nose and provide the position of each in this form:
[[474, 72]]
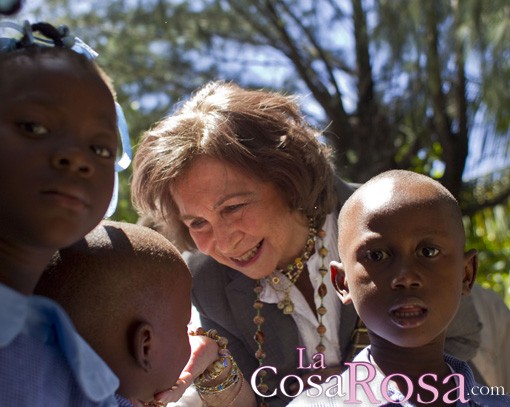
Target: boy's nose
[[73, 160], [406, 277]]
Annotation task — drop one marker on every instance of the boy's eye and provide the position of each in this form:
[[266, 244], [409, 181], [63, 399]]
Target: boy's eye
[[103, 152], [429, 251], [33, 128], [376, 255]]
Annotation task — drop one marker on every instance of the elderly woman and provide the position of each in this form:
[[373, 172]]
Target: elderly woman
[[241, 177]]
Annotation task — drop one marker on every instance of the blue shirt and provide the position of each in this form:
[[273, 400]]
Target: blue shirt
[[122, 401], [457, 366], [43, 360]]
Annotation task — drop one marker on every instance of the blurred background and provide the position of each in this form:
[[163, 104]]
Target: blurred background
[[420, 85]]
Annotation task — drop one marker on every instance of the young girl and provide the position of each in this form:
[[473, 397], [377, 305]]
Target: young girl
[[58, 126]]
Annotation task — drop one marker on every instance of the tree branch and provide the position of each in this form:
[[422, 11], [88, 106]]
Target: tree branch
[[471, 209]]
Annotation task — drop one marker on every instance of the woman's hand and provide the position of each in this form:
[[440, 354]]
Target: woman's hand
[[204, 351]]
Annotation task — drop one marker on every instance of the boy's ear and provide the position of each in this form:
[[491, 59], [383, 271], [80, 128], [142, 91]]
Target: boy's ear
[[141, 344], [339, 281], [470, 269]]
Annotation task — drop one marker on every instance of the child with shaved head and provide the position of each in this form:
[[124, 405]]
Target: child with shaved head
[[404, 267], [129, 297]]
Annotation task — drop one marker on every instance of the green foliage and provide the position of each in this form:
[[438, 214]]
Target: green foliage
[[397, 83], [487, 231], [124, 211]]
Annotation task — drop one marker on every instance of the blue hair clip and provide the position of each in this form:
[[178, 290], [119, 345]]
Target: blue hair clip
[[62, 37], [124, 161]]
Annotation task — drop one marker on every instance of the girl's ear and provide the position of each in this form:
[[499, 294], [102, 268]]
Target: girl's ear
[[470, 269], [141, 342], [339, 281]]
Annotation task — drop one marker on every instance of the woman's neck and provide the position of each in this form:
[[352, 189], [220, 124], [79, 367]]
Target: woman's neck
[[299, 236]]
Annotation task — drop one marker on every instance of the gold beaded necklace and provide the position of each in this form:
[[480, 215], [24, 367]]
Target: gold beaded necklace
[[292, 272]]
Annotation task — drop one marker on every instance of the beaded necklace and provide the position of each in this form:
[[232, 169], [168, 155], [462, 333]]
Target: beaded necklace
[[292, 272]]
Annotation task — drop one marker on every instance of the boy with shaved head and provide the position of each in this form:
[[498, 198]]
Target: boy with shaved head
[[129, 297], [404, 267]]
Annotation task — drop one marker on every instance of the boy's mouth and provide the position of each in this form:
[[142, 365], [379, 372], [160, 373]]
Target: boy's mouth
[[409, 315]]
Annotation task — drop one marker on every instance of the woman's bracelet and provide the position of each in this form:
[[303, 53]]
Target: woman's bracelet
[[154, 403], [241, 381], [216, 369], [213, 371], [230, 380]]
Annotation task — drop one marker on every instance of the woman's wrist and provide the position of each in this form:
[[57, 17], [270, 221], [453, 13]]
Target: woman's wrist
[[222, 381], [216, 371], [228, 378]]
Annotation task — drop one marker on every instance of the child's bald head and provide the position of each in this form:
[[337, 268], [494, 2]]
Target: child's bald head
[[123, 284], [394, 189]]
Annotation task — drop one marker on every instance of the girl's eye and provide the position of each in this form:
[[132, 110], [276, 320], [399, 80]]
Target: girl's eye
[[429, 251], [33, 128], [376, 255], [103, 152]]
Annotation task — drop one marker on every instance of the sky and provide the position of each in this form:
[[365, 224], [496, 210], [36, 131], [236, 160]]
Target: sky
[[476, 166]]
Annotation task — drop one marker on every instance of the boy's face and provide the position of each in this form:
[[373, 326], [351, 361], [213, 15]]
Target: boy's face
[[59, 141], [404, 264]]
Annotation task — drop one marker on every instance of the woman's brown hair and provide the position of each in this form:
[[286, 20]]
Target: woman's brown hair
[[262, 133]]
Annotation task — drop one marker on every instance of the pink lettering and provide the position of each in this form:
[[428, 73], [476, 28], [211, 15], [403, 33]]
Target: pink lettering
[[425, 386], [300, 357], [459, 389], [364, 383]]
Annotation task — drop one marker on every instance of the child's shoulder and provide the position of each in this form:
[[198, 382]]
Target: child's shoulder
[[478, 394], [43, 360]]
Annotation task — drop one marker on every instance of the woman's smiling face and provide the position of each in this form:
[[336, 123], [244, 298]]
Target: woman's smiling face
[[239, 220]]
